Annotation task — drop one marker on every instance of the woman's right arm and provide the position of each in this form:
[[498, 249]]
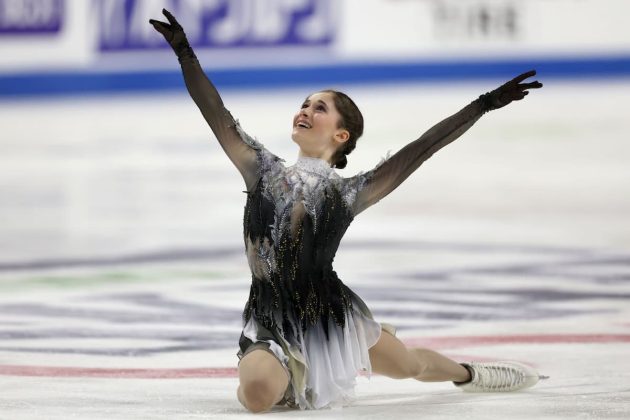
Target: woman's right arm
[[225, 128]]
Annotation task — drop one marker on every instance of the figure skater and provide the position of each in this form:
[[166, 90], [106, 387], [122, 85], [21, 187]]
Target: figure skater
[[305, 333]]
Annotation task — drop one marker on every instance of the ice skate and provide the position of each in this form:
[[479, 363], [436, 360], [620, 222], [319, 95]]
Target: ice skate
[[499, 377]]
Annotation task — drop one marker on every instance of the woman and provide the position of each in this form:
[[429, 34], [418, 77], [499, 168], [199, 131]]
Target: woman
[[305, 333]]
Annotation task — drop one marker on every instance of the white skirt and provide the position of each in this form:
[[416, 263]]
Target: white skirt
[[323, 371]]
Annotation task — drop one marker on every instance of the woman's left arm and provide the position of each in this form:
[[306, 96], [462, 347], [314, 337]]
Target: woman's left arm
[[390, 174]]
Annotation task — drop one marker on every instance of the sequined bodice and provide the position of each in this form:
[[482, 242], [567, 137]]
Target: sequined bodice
[[290, 195], [294, 221]]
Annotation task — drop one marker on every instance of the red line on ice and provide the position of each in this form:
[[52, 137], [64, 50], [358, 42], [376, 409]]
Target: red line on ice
[[76, 372], [437, 343]]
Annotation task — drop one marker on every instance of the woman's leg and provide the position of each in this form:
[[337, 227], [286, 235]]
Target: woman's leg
[[263, 381], [390, 357]]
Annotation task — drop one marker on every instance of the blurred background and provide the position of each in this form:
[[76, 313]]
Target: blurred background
[[103, 153]]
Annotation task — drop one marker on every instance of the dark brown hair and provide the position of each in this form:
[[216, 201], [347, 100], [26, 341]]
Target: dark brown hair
[[351, 120]]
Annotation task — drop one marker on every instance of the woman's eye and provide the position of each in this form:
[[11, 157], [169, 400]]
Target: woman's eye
[[321, 108], [304, 106]]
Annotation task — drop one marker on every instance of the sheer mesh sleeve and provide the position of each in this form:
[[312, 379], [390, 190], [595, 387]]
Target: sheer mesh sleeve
[[366, 189], [247, 154]]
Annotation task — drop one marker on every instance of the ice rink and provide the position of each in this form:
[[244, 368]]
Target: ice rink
[[123, 274]]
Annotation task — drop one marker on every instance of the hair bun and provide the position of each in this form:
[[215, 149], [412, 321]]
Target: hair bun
[[341, 162]]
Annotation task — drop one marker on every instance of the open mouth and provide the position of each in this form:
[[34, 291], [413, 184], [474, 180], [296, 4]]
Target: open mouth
[[303, 124]]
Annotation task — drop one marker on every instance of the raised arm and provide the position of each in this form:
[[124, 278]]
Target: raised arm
[[239, 147], [382, 180]]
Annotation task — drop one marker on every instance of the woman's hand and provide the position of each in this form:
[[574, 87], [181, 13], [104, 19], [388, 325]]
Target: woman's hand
[[174, 34], [513, 90]]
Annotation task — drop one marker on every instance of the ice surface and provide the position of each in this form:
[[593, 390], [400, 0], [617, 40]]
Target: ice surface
[[123, 277]]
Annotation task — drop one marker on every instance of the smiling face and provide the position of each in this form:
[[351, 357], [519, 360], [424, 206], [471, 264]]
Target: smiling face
[[316, 126]]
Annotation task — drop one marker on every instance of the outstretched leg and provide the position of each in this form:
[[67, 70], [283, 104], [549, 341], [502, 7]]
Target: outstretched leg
[[391, 358], [263, 381]]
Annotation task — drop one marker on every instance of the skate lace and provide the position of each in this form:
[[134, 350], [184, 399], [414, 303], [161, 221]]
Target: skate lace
[[499, 377]]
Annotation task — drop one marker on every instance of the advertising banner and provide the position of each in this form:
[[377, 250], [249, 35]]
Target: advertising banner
[[487, 29], [218, 23], [30, 16], [267, 41]]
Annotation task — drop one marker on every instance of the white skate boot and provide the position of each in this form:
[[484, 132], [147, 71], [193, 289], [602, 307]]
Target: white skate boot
[[499, 377]]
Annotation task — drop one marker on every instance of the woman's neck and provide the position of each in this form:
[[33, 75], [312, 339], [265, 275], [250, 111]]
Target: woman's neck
[[303, 155]]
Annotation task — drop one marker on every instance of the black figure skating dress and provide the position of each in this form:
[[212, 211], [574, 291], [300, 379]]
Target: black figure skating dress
[[295, 217]]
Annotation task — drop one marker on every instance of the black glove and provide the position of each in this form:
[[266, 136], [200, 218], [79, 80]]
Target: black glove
[[174, 35], [508, 92]]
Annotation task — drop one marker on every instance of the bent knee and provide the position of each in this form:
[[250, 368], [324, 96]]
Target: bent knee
[[258, 396]]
